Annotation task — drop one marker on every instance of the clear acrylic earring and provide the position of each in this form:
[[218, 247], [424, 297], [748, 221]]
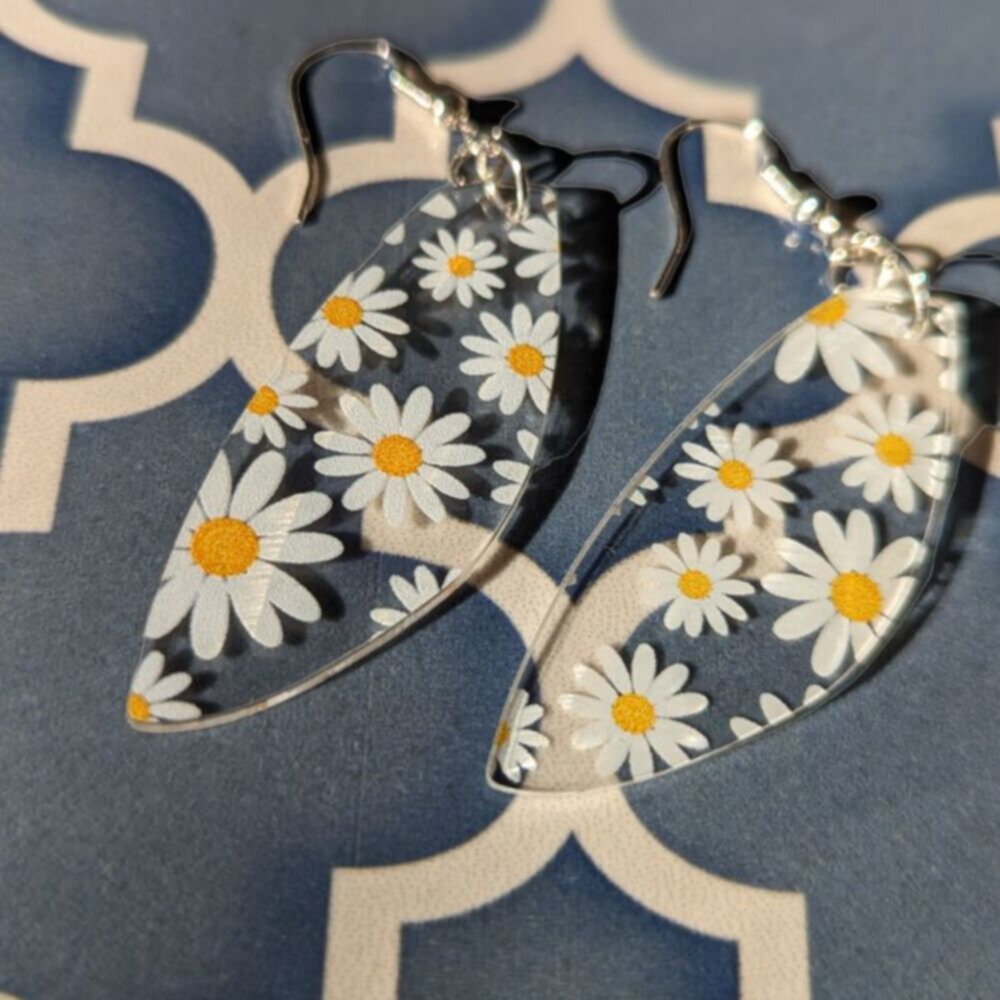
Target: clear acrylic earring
[[377, 437], [763, 556]]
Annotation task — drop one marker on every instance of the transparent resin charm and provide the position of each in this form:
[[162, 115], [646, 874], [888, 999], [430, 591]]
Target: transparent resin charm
[[370, 474], [758, 562]]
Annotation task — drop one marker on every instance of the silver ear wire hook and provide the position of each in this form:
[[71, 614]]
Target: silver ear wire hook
[[808, 204], [489, 154]]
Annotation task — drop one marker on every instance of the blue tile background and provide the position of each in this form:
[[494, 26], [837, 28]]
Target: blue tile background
[[198, 867]]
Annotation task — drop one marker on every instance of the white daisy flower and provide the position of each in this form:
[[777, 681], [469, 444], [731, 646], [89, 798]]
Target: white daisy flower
[[515, 361], [152, 697], [463, 267], [646, 485], [355, 312], [226, 554], [514, 470], [439, 206], [774, 710], [273, 404], [839, 329], [893, 449], [401, 454], [540, 233], [697, 586], [848, 593], [515, 738], [736, 475], [411, 596], [947, 322], [633, 713], [712, 410]]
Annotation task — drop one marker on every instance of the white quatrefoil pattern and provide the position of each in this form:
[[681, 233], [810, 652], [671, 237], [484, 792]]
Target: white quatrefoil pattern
[[344, 845]]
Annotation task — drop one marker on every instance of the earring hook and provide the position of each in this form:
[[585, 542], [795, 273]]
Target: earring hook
[[490, 155], [832, 220], [673, 181]]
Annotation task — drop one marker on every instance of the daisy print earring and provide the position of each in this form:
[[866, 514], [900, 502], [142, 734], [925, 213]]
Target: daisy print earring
[[408, 396], [762, 557]]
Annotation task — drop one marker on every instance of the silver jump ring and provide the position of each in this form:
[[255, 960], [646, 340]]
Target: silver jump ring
[[492, 159], [863, 247]]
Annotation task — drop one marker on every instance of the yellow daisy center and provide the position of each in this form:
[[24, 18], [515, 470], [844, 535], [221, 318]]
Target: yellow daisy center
[[894, 450], [265, 400], [343, 312], [397, 455], [735, 475], [829, 312], [138, 708], [633, 713], [525, 360], [503, 735], [856, 596], [695, 584], [461, 266], [225, 546]]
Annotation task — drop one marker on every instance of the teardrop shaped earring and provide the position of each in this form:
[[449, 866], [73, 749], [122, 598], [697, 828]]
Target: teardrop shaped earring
[[353, 495], [763, 556]]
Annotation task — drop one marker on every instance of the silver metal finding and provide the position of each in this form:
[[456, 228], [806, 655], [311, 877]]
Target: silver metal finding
[[846, 245], [486, 152]]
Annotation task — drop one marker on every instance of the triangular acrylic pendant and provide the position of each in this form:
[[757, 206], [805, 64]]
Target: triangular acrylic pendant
[[416, 382], [759, 561]]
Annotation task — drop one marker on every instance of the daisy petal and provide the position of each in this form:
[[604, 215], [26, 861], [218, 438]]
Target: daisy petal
[[679, 706], [801, 557], [443, 430], [611, 758], [250, 602], [583, 705], [896, 558], [794, 587], [614, 668], [682, 734], [830, 646], [176, 711], [168, 687], [210, 618], [363, 491], [832, 541], [416, 412], [303, 547], [172, 602], [803, 620], [215, 491], [589, 680], [665, 747], [640, 759], [385, 409], [148, 672], [796, 355], [291, 597], [668, 683], [394, 501], [428, 502], [444, 482], [643, 668], [860, 538], [594, 734]]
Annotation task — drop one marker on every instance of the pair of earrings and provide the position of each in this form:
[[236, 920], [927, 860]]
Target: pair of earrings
[[752, 568]]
